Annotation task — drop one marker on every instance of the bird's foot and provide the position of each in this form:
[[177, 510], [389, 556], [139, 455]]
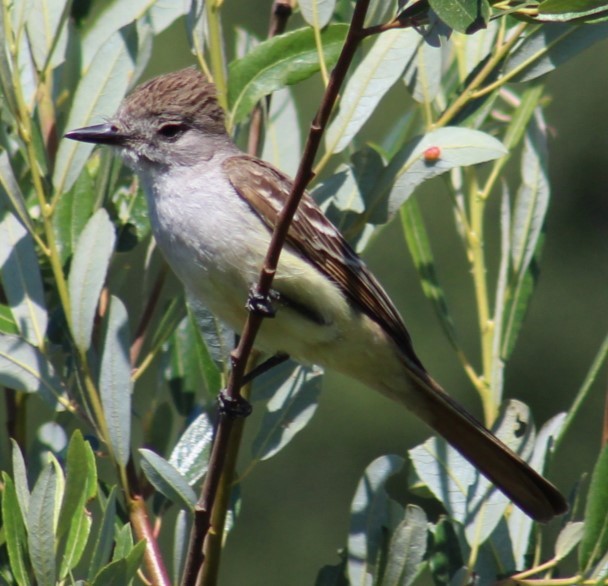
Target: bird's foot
[[264, 305], [233, 407]]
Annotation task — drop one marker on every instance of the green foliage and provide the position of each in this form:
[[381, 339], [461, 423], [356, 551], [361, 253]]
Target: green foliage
[[278, 62], [97, 339], [464, 16]]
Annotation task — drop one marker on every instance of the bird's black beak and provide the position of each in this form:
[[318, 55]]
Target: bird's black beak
[[99, 134]]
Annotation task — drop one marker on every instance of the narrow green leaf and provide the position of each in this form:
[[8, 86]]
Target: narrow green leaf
[[25, 368], [291, 407], [217, 339], [341, 191], [21, 280], [196, 26], [115, 384], [544, 444], [124, 542], [353, 188], [47, 32], [163, 13], [568, 538], [115, 15], [18, 16], [190, 456], [14, 532], [20, 477], [277, 62], [11, 192], [135, 558], [419, 246], [380, 11], [283, 135], [433, 154], [24, 67], [369, 513], [6, 70], [74, 523], [528, 107], [88, 273], [550, 46], [100, 91], [193, 357], [75, 543], [495, 555], [565, 10], [374, 76], [167, 480], [105, 537], [477, 47], [114, 574], [74, 208], [594, 543], [181, 537], [8, 325], [498, 365], [234, 508], [423, 71], [600, 571], [183, 370], [528, 220], [583, 393], [41, 526], [464, 16], [106, 24], [122, 571], [532, 198], [407, 549], [516, 309], [317, 13]]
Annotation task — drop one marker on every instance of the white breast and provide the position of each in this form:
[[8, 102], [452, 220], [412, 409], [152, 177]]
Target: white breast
[[216, 244]]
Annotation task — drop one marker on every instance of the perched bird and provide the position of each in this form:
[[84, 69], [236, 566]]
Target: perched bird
[[212, 210]]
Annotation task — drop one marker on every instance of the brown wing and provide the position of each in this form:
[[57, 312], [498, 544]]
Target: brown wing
[[318, 241]]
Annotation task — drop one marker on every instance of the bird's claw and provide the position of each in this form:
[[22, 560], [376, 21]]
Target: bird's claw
[[233, 407], [263, 305]]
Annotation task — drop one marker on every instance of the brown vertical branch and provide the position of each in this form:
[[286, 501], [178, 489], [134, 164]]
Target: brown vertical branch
[[226, 424], [213, 543], [146, 316]]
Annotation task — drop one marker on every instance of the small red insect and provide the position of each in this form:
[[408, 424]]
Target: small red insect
[[432, 154]]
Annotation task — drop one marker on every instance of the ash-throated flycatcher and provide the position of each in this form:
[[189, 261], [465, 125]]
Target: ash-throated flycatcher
[[212, 209]]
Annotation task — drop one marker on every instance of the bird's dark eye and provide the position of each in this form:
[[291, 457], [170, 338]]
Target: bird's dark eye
[[171, 130]]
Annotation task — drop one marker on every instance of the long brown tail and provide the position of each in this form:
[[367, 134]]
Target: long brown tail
[[524, 486]]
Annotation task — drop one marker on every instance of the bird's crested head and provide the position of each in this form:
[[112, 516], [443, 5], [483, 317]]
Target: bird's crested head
[[164, 121]]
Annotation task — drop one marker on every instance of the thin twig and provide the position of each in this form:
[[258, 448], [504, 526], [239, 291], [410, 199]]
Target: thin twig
[[213, 543], [138, 516], [146, 316]]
